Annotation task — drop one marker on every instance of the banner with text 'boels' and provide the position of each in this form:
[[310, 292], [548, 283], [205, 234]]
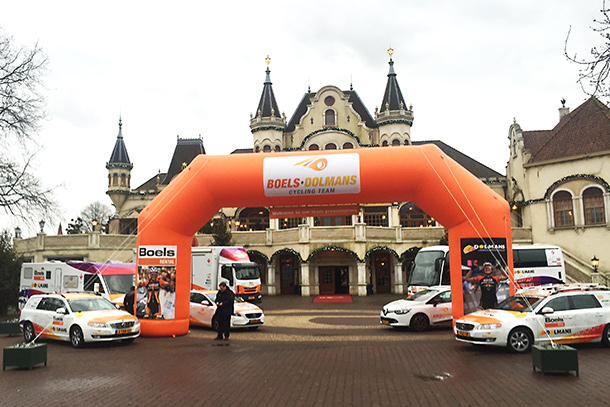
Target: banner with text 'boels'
[[156, 281]]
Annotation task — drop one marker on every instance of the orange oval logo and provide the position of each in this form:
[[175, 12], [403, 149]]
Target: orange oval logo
[[317, 164]]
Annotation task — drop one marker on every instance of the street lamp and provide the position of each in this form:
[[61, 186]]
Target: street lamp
[[18, 232], [41, 224], [595, 263], [93, 224]]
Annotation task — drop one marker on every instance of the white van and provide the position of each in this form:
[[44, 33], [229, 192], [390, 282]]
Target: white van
[[533, 265]]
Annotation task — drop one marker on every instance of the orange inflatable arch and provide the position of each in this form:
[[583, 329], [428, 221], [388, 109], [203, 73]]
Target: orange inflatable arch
[[422, 174]]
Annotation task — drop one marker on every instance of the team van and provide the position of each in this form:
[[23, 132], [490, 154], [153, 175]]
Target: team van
[[533, 265], [111, 280], [554, 313]]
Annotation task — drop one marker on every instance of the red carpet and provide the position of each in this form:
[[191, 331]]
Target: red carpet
[[333, 298]]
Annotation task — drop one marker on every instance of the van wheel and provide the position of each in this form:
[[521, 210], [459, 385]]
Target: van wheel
[[520, 340], [606, 336], [28, 332], [419, 323], [76, 336]]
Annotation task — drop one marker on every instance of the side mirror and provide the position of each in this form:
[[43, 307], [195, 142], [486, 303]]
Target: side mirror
[[61, 310], [546, 310]]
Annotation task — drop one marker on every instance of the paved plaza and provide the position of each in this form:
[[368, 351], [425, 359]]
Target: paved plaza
[[306, 355]]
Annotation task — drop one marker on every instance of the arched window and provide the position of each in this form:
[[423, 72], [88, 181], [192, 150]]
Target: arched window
[[278, 149], [563, 211], [253, 219], [257, 149], [330, 146], [413, 217], [115, 179], [395, 142], [593, 205], [407, 142], [384, 143], [347, 145], [266, 148], [123, 180], [314, 147], [329, 117]]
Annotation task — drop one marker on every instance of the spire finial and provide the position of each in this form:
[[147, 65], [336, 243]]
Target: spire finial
[[390, 52], [268, 60]]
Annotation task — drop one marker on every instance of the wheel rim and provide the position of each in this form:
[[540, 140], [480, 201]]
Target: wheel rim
[[519, 341], [419, 323], [76, 337], [29, 332]]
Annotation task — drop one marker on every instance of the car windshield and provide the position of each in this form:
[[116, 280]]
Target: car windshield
[[423, 295], [519, 303], [120, 283], [212, 297], [90, 304]]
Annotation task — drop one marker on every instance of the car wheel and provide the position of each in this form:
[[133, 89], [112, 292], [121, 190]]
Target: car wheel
[[28, 332], [419, 323], [520, 340], [76, 336], [606, 336]]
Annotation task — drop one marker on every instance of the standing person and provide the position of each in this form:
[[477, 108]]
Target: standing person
[[129, 300], [224, 302], [153, 286], [488, 283]]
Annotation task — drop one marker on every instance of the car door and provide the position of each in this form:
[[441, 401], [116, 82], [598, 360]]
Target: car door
[[60, 321], [202, 309], [443, 311], [588, 316], [559, 325]]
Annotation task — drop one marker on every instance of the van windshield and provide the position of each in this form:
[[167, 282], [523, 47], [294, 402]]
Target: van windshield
[[247, 273], [423, 272], [119, 283]]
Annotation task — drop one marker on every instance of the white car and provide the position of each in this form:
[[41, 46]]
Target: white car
[[203, 308], [78, 318], [545, 314], [431, 306]]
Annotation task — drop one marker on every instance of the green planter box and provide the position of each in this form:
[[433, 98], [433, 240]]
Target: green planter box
[[557, 359], [10, 328], [24, 355]]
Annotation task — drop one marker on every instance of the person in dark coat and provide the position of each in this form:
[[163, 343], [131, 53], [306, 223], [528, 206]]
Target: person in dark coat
[[129, 300], [224, 301]]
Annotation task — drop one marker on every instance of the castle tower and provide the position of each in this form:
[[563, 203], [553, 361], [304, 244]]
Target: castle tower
[[267, 125], [119, 172], [394, 118]]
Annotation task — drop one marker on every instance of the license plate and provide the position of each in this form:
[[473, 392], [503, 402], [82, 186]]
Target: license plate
[[385, 322], [463, 333], [123, 331], [255, 321]]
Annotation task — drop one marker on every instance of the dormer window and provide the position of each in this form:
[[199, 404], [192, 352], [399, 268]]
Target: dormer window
[[329, 118]]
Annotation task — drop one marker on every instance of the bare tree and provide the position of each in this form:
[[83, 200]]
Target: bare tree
[[21, 111], [95, 214], [595, 68]]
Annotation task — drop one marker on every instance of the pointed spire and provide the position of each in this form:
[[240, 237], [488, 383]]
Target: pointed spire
[[392, 98], [119, 156], [267, 107]]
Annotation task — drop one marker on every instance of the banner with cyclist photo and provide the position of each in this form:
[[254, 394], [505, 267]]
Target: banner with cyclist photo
[[484, 264], [156, 282]]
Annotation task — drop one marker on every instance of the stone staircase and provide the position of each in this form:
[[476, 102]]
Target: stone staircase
[[579, 271]]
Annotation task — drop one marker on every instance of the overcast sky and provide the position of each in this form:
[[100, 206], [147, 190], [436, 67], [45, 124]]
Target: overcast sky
[[197, 68]]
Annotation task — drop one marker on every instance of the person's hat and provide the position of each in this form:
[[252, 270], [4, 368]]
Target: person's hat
[[154, 270], [487, 264]]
